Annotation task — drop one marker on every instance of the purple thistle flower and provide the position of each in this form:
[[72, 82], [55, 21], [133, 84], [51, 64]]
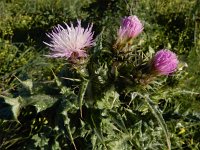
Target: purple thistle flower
[[70, 42], [165, 62], [130, 27]]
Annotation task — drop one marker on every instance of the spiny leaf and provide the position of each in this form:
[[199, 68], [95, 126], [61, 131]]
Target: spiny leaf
[[41, 102], [110, 99], [118, 120], [28, 84], [10, 108], [40, 142]]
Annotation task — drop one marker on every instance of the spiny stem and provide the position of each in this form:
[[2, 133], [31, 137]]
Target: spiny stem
[[160, 119], [98, 133], [68, 130], [70, 136], [81, 94], [157, 114]]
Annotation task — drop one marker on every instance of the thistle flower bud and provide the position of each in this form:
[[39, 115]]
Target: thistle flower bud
[[164, 62], [130, 28]]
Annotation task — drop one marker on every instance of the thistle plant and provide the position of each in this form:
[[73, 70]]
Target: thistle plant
[[94, 97], [71, 43], [99, 82]]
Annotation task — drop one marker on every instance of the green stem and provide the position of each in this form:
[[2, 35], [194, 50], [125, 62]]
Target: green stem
[[67, 128], [160, 119], [98, 133], [157, 114], [70, 136], [81, 93]]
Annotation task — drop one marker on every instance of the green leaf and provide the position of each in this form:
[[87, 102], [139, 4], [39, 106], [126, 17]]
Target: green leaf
[[28, 84], [10, 108], [40, 142], [118, 120], [41, 102], [110, 99]]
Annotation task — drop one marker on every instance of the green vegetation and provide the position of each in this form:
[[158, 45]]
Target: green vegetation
[[41, 109]]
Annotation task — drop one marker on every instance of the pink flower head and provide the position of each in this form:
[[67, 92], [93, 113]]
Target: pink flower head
[[70, 42], [165, 62], [130, 27]]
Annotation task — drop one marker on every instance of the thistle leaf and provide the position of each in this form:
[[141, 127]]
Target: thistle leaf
[[10, 107], [41, 102], [27, 84]]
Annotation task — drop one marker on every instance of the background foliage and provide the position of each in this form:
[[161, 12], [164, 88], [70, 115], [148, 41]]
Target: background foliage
[[39, 109]]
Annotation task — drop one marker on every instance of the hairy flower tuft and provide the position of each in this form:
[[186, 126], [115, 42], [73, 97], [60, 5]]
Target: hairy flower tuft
[[130, 27], [165, 62], [70, 42]]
